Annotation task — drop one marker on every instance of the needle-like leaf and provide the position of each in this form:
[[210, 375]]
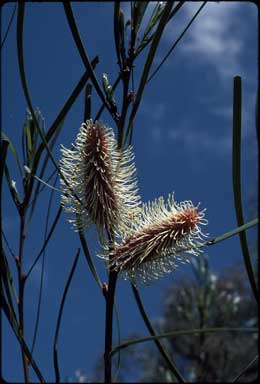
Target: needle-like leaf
[[160, 347], [236, 172], [55, 344], [147, 66], [194, 332]]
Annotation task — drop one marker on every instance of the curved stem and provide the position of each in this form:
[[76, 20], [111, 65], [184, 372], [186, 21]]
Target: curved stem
[[55, 344], [236, 173], [152, 333], [195, 331], [176, 42], [147, 66], [249, 365], [9, 26], [109, 296]]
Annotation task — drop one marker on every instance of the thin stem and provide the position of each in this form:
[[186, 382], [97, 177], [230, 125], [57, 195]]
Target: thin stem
[[15, 329], [109, 296], [245, 369], [176, 42], [201, 310], [226, 235], [22, 280], [147, 66], [180, 333], [121, 123], [4, 147], [233, 232], [76, 36], [55, 344], [152, 333], [8, 245], [116, 31], [42, 271], [9, 26], [55, 221], [236, 173]]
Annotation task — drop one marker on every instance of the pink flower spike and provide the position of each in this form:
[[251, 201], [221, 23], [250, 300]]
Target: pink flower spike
[[164, 237]]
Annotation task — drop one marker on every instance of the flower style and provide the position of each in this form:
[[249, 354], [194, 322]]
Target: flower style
[[101, 181], [163, 237]]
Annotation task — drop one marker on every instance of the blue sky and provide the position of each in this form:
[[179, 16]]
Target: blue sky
[[182, 142]]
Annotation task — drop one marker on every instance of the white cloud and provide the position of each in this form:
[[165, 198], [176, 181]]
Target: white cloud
[[198, 141], [214, 36]]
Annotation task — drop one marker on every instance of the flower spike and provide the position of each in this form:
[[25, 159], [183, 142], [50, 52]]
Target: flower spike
[[103, 179], [163, 238]]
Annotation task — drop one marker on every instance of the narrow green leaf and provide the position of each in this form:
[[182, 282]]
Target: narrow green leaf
[[155, 16], [117, 37], [42, 269], [82, 52], [227, 235], [160, 347], [231, 233], [62, 114], [23, 142], [42, 171], [147, 39], [23, 344], [3, 153], [8, 279], [194, 332], [8, 245], [4, 146], [88, 257], [121, 28], [11, 282], [138, 14], [236, 173], [119, 342], [257, 115], [14, 152], [55, 221], [12, 188], [31, 135], [55, 343], [8, 27], [28, 137], [147, 66], [176, 42]]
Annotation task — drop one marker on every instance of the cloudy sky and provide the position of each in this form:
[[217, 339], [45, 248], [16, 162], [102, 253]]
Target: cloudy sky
[[182, 142]]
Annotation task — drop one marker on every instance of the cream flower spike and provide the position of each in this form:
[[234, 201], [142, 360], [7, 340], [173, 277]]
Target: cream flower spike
[[103, 179], [165, 235]]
